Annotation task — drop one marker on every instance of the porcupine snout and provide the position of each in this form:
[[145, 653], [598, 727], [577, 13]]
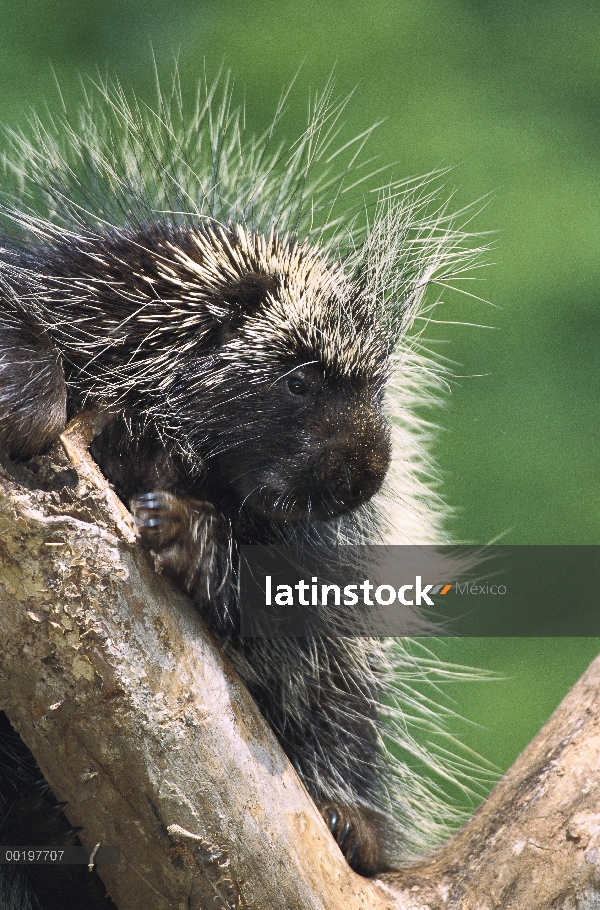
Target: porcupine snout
[[352, 463]]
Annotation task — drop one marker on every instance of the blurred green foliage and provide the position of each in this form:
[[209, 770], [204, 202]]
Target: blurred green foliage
[[509, 93]]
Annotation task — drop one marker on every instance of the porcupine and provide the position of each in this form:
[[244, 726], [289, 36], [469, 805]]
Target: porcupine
[[255, 336]]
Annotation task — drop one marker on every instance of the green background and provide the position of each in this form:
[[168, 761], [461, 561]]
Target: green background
[[506, 91]]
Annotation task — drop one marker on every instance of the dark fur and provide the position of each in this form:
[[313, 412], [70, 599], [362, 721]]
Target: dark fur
[[209, 467], [30, 815]]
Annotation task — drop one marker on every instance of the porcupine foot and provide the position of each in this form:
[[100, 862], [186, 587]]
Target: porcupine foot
[[184, 536], [356, 836]]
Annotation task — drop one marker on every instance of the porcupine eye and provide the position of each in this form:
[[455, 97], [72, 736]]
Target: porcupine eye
[[296, 385]]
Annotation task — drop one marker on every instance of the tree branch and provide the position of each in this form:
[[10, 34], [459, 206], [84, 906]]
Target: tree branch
[[140, 723]]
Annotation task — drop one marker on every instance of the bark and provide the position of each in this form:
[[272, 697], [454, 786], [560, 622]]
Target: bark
[[138, 721]]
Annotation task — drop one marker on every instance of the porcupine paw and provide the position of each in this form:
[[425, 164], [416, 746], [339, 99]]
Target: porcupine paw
[[36, 819], [356, 836], [180, 532]]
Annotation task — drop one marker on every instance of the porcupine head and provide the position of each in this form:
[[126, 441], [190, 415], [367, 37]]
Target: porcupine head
[[290, 390]]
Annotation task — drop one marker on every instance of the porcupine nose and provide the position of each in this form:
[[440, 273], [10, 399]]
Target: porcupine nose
[[351, 474]]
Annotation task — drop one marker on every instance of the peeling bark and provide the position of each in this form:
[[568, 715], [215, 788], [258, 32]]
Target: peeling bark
[[140, 723]]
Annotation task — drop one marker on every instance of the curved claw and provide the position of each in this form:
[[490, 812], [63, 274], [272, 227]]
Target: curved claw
[[149, 523], [57, 808], [39, 787], [151, 501], [331, 818], [142, 497], [352, 854], [343, 834]]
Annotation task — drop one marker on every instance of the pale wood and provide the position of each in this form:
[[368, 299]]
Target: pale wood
[[535, 841], [138, 721]]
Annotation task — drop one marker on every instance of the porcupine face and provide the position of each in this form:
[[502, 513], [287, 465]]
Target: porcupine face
[[303, 364], [311, 446]]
